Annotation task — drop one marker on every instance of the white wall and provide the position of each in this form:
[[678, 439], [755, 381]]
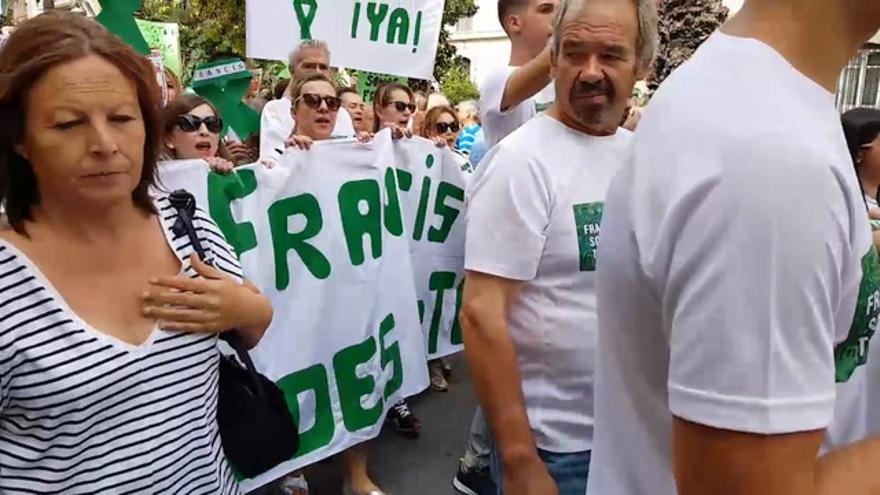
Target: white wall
[[483, 42]]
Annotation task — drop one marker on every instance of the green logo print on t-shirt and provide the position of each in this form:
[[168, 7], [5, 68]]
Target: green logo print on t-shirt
[[587, 218], [853, 352]]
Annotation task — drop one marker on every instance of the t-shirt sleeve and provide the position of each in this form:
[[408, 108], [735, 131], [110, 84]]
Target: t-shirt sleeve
[[507, 213], [755, 262], [344, 125], [218, 250], [273, 130], [497, 124]]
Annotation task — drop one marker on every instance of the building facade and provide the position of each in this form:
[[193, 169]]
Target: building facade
[[481, 41]]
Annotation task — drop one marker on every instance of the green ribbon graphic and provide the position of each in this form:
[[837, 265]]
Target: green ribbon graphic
[[118, 17], [224, 83]]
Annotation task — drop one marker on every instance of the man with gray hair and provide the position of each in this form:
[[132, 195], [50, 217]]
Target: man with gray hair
[[735, 316], [276, 121], [529, 311]]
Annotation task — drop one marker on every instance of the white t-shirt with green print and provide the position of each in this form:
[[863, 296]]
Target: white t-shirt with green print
[[534, 211]]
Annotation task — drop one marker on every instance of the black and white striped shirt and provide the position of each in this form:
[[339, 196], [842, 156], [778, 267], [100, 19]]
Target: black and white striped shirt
[[82, 412]]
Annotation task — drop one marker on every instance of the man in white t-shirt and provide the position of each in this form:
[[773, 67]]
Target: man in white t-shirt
[[738, 284], [512, 95], [529, 311], [276, 120]]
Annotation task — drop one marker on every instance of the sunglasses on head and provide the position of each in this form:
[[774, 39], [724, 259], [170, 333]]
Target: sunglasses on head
[[314, 101], [402, 106], [443, 127], [191, 123]]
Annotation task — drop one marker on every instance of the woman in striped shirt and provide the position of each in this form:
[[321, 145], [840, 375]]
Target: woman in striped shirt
[[108, 323]]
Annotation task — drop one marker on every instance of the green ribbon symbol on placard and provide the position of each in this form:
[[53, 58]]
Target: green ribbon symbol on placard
[[224, 83], [118, 17]]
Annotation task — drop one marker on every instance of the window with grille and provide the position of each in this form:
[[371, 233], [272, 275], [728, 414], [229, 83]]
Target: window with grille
[[859, 84]]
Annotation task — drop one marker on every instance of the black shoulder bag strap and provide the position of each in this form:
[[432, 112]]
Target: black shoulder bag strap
[[185, 204]]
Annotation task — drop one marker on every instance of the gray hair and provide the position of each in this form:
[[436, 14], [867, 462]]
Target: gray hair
[[296, 55], [646, 42], [470, 107]]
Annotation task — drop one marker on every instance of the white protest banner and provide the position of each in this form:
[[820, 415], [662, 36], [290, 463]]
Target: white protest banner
[[397, 37], [331, 236], [431, 182]]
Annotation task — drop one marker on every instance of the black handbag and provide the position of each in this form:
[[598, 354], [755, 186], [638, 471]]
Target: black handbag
[[256, 428]]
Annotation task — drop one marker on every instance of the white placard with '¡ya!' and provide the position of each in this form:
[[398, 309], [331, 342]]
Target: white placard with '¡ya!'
[[396, 37]]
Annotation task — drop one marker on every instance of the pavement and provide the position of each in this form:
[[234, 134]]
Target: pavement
[[423, 466]]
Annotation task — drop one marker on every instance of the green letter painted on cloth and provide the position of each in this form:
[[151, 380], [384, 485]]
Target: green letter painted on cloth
[[352, 387], [223, 189], [360, 205], [313, 378], [283, 240]]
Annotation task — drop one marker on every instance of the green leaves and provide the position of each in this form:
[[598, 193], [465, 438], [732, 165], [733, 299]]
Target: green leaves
[[457, 85]]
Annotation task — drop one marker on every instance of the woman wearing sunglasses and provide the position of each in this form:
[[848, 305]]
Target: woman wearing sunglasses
[[441, 126], [192, 132], [314, 109], [393, 107]]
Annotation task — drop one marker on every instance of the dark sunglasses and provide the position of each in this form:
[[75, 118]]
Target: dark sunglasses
[[191, 123], [402, 107], [442, 127], [314, 101]]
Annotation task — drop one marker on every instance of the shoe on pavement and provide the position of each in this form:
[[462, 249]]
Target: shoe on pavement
[[447, 368], [294, 485], [438, 380], [404, 421], [474, 481]]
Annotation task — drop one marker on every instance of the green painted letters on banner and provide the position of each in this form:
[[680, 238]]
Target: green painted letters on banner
[[376, 17], [449, 214], [360, 205], [393, 216], [390, 355], [455, 338], [421, 213], [353, 387], [305, 18], [283, 241], [440, 282], [223, 189], [313, 378]]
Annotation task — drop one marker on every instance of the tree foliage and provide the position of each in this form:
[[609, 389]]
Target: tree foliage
[[207, 27], [457, 85], [684, 26]]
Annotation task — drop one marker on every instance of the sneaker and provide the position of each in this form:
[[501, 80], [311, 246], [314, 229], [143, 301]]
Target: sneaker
[[438, 381], [405, 422], [474, 481]]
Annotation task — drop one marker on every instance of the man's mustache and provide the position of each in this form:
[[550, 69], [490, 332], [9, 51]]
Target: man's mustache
[[600, 87]]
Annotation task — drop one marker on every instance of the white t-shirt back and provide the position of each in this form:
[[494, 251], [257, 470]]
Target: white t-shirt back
[[276, 124], [730, 268], [534, 216], [498, 124]]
